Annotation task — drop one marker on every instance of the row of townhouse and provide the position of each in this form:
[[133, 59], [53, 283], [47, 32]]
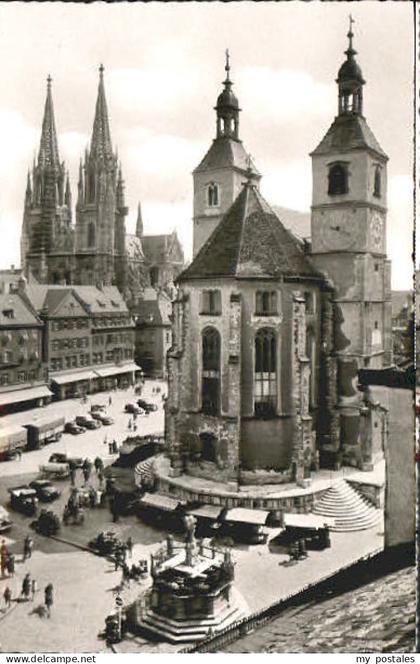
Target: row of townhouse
[[61, 341]]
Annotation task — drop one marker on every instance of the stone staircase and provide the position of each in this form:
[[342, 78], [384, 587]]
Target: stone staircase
[[144, 470], [349, 509]]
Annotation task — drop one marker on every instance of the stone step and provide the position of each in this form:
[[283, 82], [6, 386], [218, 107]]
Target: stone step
[[350, 510]]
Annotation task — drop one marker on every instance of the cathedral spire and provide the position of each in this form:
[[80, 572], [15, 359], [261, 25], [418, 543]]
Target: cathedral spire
[[350, 80], [48, 149], [139, 223], [100, 145], [227, 107]]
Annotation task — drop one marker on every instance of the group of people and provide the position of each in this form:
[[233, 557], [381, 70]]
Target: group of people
[[29, 585]]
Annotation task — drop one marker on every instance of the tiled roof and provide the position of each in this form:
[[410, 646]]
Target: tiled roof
[[101, 300], [348, 132], [157, 247], [22, 315], [250, 241], [226, 152]]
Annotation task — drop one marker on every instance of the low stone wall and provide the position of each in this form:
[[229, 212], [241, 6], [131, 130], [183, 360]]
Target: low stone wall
[[262, 477], [374, 493]]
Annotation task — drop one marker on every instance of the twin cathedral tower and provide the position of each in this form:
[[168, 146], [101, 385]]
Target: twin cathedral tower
[[269, 332]]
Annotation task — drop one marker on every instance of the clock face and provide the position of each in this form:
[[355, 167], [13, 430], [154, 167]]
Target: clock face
[[340, 232], [376, 230]]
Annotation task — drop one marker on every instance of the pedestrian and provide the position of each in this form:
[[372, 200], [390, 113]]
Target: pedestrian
[[86, 473], [110, 400], [7, 596], [114, 447], [27, 547], [26, 586], [129, 424], [302, 552], [98, 463], [110, 447], [73, 476], [101, 478], [11, 565], [125, 573], [129, 544], [134, 427], [49, 599], [106, 440], [34, 588], [4, 555]]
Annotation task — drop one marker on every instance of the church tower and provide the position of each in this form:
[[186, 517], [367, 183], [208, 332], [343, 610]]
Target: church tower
[[219, 177], [100, 210], [348, 227], [47, 235]]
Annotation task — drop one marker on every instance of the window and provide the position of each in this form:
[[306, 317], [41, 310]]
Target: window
[[211, 302], [377, 182], [337, 180], [4, 379], [210, 388], [21, 376], [266, 303], [208, 447], [213, 195], [265, 387], [154, 276], [8, 313], [309, 302]]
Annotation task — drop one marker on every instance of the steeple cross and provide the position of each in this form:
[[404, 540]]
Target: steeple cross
[[227, 65]]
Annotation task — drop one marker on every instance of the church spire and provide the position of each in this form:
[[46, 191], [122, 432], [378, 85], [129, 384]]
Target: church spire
[[48, 149], [350, 80], [227, 107], [100, 145], [139, 223]]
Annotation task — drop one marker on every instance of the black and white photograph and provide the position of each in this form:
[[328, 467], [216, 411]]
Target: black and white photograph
[[209, 410]]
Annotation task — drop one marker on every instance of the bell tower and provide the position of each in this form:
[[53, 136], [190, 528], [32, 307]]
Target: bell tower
[[348, 228], [219, 177]]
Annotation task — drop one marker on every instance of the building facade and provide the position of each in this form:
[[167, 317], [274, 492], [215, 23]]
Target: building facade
[[269, 333], [153, 332], [23, 371]]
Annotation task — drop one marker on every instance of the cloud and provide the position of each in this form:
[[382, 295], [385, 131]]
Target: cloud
[[289, 185], [18, 141], [284, 93], [72, 145]]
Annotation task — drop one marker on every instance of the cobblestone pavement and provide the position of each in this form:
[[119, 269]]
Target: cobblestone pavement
[[378, 617]]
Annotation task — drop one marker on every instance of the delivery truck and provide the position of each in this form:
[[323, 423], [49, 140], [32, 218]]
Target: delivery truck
[[12, 442], [44, 431]]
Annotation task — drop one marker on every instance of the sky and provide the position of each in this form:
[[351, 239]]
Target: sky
[[164, 64]]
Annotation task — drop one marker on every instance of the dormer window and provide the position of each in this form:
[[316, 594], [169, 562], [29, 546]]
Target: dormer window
[[213, 195], [338, 179], [377, 182], [8, 313]]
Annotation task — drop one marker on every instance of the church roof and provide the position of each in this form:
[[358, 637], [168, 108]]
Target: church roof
[[349, 132], [226, 152], [156, 248], [249, 242]]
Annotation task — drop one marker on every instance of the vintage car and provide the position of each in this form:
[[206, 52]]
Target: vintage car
[[133, 408], [60, 457], [87, 421], [5, 521], [102, 416], [24, 499], [97, 406], [146, 405], [58, 470], [73, 428], [45, 490]]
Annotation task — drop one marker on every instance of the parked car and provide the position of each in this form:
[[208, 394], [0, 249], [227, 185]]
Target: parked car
[[45, 490], [146, 405], [103, 417], [23, 499], [87, 421], [97, 406], [133, 408], [73, 428], [60, 457], [5, 521]]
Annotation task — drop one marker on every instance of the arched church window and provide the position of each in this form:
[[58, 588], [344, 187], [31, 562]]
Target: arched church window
[[377, 182], [337, 180], [265, 375], [213, 195], [210, 387], [91, 234]]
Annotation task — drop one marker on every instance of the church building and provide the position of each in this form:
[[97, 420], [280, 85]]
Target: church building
[[96, 250], [269, 332]]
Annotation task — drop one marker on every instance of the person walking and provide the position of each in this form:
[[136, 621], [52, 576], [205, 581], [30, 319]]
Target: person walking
[[105, 440], [129, 545], [49, 598], [27, 547], [110, 447], [11, 564], [7, 596], [110, 400], [4, 555], [34, 588], [86, 470], [129, 424], [99, 465], [26, 586], [73, 475]]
